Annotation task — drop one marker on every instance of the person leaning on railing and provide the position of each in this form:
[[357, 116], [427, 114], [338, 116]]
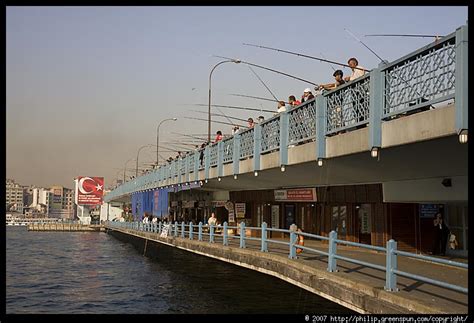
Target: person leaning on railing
[[339, 80]]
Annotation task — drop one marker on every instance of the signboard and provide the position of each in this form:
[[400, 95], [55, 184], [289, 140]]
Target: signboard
[[219, 203], [240, 210], [188, 204], [429, 210], [89, 190], [230, 209], [296, 195]]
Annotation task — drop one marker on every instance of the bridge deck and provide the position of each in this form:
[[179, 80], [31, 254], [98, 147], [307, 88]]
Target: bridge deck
[[413, 296]]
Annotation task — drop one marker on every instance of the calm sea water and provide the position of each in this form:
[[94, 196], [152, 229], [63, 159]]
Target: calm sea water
[[88, 272]]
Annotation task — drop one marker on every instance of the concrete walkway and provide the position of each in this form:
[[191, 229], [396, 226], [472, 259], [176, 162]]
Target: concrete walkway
[[351, 279], [446, 300]]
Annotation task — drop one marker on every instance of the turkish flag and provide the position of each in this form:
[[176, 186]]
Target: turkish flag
[[90, 190]]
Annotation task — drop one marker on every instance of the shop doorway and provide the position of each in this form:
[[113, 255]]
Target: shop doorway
[[289, 215], [364, 218], [339, 221], [457, 221]]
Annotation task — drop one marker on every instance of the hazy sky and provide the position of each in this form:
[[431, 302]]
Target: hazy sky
[[87, 86]]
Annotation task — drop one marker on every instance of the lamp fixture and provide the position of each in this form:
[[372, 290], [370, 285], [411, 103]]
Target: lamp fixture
[[255, 173], [282, 168], [374, 152], [219, 179], [320, 162], [463, 136], [206, 180], [235, 176]]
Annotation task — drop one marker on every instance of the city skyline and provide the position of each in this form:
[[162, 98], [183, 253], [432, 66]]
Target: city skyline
[[87, 86]]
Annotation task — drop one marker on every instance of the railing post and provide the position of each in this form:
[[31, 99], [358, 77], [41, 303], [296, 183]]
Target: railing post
[[242, 235], [264, 238], [200, 232], [207, 161], [376, 106], [391, 266], [461, 79], [175, 228], [211, 233], [284, 134], [225, 241], [190, 231], [220, 158], [236, 155], [159, 227], [321, 107], [257, 146], [293, 237], [332, 263], [182, 230]]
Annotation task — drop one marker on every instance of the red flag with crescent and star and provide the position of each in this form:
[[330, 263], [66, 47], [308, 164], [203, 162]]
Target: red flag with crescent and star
[[89, 190]]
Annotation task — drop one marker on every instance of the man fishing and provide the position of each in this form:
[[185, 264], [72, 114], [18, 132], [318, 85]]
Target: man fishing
[[357, 71]]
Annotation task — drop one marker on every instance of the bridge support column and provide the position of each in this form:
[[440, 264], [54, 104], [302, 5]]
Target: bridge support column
[[186, 168], [321, 104], [376, 105], [391, 266], [332, 263], [257, 139], [461, 94], [197, 154], [284, 129], [236, 156]]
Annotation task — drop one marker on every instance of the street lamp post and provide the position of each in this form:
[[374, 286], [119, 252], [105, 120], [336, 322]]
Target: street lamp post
[[158, 138], [138, 153], [237, 61]]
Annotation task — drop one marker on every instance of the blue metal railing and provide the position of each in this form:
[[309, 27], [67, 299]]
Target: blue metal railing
[[187, 231], [409, 84]]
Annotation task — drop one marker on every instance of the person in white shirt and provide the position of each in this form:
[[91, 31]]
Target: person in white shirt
[[357, 71], [212, 220], [281, 106]]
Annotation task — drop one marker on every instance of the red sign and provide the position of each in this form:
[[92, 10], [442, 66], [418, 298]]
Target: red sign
[[296, 195], [89, 190]]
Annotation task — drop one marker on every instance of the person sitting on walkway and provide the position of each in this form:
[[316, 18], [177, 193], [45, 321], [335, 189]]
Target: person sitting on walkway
[[357, 71]]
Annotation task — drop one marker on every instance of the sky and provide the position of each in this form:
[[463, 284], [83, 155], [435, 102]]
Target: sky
[[87, 86]]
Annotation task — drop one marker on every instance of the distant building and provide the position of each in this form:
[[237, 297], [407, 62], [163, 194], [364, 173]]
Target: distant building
[[40, 200], [14, 196], [61, 202]]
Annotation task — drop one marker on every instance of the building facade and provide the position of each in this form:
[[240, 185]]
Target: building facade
[[14, 196]]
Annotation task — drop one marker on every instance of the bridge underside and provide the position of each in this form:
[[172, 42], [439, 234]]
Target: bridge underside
[[421, 162]]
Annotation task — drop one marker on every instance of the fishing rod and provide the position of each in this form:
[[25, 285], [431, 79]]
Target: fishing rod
[[256, 97], [385, 62], [269, 69], [329, 63], [303, 55], [220, 115], [191, 136], [262, 83], [360, 41], [234, 107], [221, 122], [404, 35], [225, 116]]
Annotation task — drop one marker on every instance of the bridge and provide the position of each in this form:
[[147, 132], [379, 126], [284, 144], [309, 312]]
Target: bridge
[[364, 278], [399, 125], [401, 128]]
